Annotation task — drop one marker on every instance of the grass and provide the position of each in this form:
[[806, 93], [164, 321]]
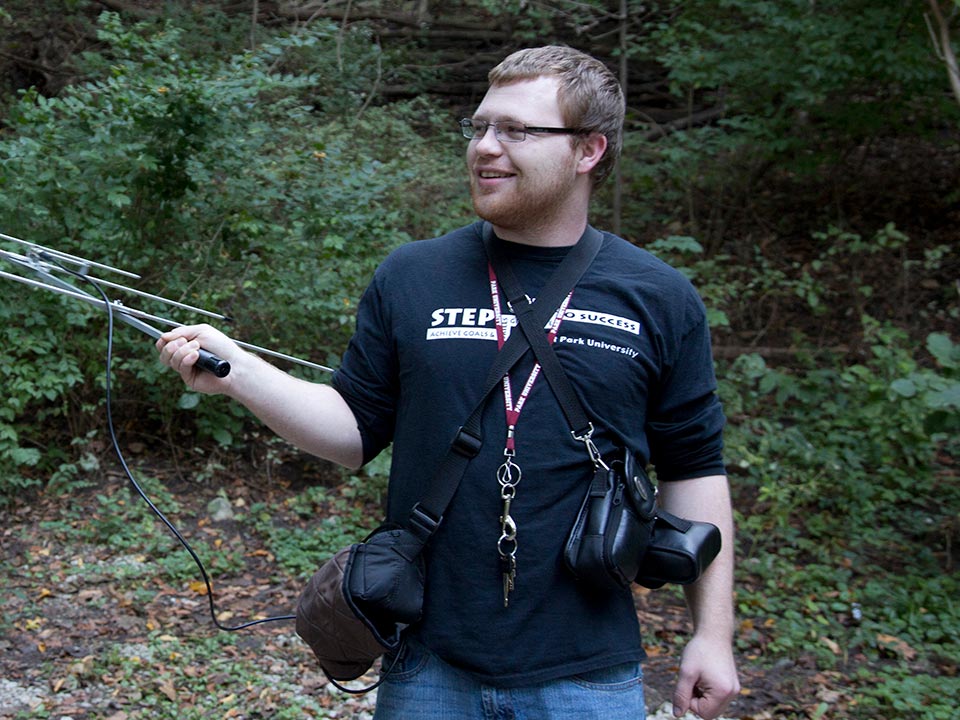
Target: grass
[[846, 593]]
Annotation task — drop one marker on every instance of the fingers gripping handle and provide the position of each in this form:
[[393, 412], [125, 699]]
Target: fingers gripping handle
[[207, 360], [212, 364]]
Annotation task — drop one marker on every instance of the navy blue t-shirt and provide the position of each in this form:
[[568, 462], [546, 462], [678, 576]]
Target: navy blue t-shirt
[[635, 344]]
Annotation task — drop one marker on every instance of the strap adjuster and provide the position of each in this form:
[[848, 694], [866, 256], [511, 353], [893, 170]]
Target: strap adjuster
[[466, 443], [520, 305], [422, 524]]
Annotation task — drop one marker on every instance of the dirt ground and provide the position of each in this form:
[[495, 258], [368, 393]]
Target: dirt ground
[[70, 617]]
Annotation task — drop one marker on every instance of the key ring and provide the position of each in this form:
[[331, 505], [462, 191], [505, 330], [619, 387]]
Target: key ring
[[505, 473]]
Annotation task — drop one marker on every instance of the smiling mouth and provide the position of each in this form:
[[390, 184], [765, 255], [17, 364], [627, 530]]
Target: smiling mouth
[[492, 175]]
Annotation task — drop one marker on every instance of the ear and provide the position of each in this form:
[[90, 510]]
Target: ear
[[591, 150]]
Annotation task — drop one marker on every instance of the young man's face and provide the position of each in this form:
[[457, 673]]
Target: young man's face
[[522, 185]]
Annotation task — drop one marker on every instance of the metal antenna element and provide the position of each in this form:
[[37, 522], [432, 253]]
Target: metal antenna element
[[43, 261], [66, 257]]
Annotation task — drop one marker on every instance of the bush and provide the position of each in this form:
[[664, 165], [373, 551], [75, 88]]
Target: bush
[[260, 186], [808, 80], [848, 442]]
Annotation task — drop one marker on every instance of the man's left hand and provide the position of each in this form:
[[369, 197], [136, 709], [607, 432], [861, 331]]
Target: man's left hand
[[708, 679]]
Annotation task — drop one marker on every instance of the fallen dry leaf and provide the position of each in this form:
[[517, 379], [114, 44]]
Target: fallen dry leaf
[[895, 646], [168, 689], [834, 646]]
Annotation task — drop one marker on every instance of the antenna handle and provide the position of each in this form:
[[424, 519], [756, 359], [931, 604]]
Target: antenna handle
[[212, 364]]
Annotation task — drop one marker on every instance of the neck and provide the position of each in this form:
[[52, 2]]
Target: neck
[[541, 237]]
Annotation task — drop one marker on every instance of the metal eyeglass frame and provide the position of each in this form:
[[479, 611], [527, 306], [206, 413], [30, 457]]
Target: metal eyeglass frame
[[476, 129]]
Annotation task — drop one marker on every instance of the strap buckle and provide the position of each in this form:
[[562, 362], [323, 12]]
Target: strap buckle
[[520, 305], [422, 524], [466, 443]]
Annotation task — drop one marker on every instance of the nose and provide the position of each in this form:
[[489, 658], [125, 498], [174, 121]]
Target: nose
[[487, 144]]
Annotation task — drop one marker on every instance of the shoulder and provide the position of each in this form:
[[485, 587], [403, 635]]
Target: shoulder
[[420, 274], [443, 253], [625, 265], [634, 260]]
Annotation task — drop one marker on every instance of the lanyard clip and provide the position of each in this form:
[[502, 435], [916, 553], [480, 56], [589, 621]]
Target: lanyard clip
[[586, 437], [510, 446]]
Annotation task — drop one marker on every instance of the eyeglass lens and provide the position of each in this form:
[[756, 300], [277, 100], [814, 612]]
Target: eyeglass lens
[[505, 131]]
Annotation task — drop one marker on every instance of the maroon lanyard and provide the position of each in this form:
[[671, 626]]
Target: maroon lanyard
[[509, 473], [513, 409]]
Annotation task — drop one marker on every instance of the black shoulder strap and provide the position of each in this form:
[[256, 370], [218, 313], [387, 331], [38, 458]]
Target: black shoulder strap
[[426, 515], [532, 326]]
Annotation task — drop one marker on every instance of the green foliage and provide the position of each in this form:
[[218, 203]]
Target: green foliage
[[750, 287], [845, 67], [778, 93], [840, 463], [938, 392], [36, 376], [337, 518], [924, 697], [259, 185], [301, 551], [915, 623], [854, 447], [672, 173]]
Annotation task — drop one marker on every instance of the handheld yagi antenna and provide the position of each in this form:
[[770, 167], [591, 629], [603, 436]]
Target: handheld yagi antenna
[[44, 263]]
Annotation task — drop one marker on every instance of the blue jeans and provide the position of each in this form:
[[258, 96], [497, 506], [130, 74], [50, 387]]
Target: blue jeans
[[423, 687]]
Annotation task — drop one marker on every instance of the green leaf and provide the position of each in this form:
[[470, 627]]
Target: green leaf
[[944, 350], [118, 199], [905, 387], [944, 399], [188, 401]]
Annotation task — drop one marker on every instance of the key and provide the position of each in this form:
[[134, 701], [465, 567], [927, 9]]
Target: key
[[509, 565]]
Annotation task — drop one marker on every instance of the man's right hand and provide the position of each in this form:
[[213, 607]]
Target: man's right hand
[[179, 349], [312, 416]]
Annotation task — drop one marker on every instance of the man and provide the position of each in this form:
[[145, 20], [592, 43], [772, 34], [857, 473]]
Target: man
[[634, 341]]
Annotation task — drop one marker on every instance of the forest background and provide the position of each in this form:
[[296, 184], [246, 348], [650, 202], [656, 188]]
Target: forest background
[[798, 159]]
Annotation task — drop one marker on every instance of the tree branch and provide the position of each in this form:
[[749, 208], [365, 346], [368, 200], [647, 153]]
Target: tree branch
[[31, 64], [941, 43], [687, 121]]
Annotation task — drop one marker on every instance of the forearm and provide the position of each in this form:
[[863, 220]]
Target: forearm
[[710, 599], [312, 416], [707, 680]]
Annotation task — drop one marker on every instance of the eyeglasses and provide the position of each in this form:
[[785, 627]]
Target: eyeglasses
[[508, 131]]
